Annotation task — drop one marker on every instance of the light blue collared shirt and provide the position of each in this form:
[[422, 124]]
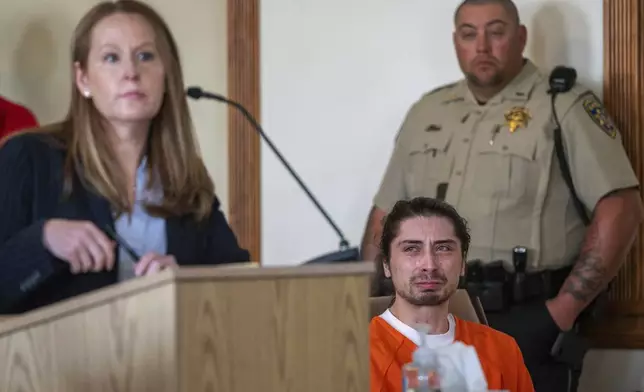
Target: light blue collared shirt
[[144, 233]]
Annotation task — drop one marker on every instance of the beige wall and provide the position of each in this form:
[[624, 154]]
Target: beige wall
[[34, 62]]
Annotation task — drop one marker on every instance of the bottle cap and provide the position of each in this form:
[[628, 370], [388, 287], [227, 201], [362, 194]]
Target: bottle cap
[[424, 355]]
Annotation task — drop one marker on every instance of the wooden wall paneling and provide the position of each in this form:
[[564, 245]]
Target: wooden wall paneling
[[243, 141], [623, 325]]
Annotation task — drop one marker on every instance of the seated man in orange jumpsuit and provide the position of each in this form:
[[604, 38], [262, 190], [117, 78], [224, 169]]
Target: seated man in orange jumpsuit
[[423, 249], [14, 117]]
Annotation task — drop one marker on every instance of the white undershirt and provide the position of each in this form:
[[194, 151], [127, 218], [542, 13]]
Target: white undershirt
[[432, 341]]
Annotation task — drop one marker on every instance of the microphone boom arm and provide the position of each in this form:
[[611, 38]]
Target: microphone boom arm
[[344, 244]]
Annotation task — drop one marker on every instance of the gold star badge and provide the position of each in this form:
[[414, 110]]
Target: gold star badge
[[517, 117]]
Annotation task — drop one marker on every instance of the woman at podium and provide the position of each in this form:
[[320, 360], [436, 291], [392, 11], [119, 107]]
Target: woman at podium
[[117, 189]]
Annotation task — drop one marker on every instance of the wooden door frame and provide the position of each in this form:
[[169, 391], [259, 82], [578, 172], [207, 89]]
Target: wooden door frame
[[244, 170], [623, 324]]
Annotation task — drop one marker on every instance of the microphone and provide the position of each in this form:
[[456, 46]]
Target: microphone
[[197, 92], [346, 252]]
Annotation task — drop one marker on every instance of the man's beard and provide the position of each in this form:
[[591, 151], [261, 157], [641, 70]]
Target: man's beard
[[494, 81]]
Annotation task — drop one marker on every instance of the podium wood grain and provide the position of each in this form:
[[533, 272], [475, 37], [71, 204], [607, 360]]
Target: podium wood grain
[[200, 329]]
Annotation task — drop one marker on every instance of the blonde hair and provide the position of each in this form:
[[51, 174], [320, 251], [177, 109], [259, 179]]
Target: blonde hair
[[172, 151]]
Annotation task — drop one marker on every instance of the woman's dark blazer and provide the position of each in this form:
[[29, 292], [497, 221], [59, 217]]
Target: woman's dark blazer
[[31, 186]]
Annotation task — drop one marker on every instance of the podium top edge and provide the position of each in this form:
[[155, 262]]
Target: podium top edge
[[255, 271], [225, 272]]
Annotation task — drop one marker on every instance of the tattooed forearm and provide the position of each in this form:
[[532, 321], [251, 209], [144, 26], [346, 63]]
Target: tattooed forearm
[[608, 240], [587, 279], [590, 274]]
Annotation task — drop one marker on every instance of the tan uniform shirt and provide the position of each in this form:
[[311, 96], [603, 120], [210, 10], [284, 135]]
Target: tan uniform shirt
[[508, 185]]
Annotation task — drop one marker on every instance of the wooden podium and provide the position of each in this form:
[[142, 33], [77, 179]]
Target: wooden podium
[[221, 329]]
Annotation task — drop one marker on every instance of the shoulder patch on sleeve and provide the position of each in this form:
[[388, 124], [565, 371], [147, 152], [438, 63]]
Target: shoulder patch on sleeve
[[597, 112]]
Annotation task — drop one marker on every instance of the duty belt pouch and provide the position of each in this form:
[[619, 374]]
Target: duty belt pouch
[[492, 296], [490, 284]]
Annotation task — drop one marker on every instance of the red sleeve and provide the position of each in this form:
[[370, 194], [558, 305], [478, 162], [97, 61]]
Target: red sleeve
[[15, 119]]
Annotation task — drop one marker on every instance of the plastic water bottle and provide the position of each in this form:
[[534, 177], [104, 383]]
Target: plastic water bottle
[[421, 374]]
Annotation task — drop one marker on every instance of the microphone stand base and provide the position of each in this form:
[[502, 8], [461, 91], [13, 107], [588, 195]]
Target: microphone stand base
[[340, 256]]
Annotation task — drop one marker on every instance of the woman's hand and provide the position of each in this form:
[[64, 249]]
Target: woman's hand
[[80, 243], [152, 263]]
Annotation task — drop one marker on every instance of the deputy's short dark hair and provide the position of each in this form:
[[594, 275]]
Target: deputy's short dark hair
[[509, 6]]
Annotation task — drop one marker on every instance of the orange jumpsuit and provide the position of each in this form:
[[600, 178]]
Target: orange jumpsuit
[[498, 353]]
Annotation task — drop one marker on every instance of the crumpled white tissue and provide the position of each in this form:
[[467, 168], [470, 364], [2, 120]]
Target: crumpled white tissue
[[460, 369]]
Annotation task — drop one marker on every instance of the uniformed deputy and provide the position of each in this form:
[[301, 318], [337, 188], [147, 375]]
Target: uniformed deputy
[[485, 145]]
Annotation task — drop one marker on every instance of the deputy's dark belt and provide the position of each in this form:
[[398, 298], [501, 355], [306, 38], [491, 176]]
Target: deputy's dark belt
[[544, 284], [498, 289]]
